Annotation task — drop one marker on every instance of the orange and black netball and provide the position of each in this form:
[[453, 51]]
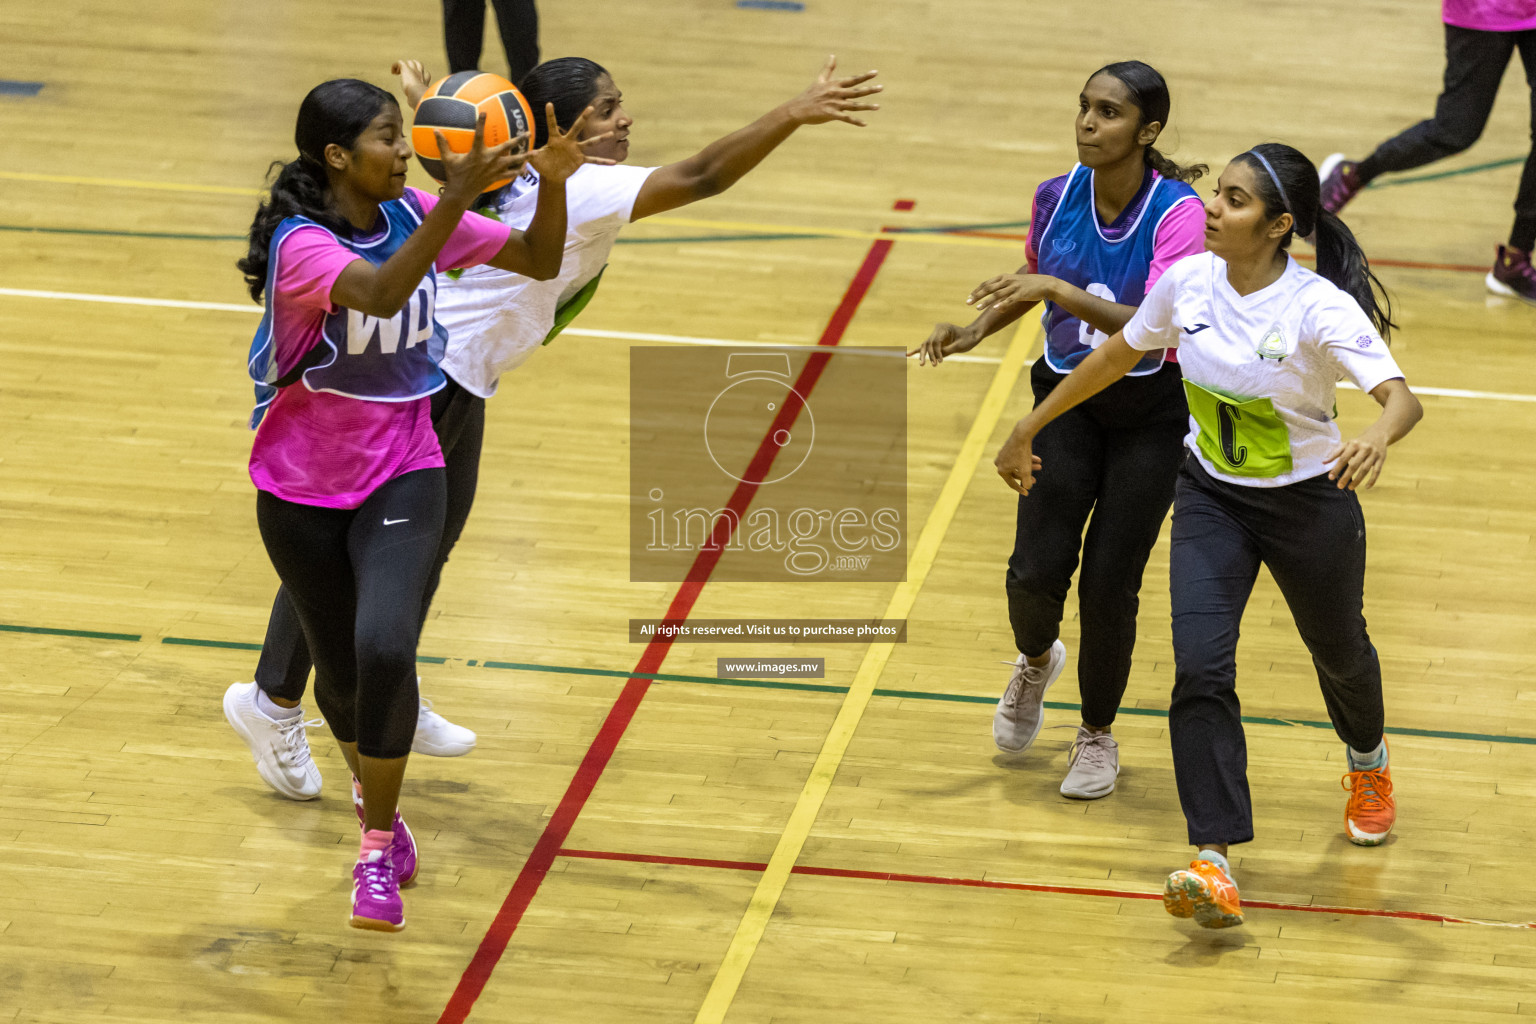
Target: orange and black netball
[[453, 104]]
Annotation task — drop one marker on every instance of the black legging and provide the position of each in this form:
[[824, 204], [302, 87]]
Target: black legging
[[355, 579], [1311, 536], [464, 34], [1474, 66], [1115, 456], [282, 671]]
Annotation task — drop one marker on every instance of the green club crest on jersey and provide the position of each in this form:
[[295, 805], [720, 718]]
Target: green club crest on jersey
[[1274, 345]]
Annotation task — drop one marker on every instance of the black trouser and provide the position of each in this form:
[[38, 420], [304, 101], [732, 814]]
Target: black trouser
[[1311, 535], [459, 418], [1474, 65], [464, 32], [1115, 456], [355, 578]]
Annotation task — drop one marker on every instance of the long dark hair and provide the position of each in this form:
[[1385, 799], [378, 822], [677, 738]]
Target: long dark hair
[[1149, 92], [1339, 257], [569, 83], [337, 111]]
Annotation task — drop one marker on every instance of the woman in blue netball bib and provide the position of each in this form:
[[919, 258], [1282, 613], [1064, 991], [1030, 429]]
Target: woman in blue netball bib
[[349, 473], [1262, 343], [1099, 239]]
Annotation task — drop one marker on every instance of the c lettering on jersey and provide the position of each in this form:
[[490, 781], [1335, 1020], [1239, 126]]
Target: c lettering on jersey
[[414, 322], [1227, 416]]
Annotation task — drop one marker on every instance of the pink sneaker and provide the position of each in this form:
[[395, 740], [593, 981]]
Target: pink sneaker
[[376, 903], [1513, 275], [1340, 183], [402, 851]]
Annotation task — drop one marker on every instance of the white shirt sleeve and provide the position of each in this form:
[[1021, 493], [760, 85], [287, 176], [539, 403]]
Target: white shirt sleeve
[[1350, 341], [606, 196], [1152, 327]]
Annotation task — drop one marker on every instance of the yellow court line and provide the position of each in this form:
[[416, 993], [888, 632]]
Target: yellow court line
[[682, 222], [771, 885], [158, 186]]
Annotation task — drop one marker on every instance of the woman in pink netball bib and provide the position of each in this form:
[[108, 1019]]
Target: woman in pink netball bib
[[348, 470]]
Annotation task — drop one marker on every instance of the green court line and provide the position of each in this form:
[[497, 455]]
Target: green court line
[[226, 644], [88, 634], [775, 684], [1456, 173]]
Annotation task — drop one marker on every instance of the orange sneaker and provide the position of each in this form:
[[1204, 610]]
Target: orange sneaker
[[1370, 812], [1205, 892]]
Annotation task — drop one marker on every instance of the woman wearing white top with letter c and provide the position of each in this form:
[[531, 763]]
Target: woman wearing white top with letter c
[[1269, 479]]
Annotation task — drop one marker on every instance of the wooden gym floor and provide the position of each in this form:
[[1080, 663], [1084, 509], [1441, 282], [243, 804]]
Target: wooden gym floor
[[618, 849]]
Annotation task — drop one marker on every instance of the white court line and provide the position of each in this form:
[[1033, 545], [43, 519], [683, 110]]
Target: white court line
[[676, 339]]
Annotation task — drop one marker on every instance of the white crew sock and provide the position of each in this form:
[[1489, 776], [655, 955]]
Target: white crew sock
[[277, 712], [1371, 761]]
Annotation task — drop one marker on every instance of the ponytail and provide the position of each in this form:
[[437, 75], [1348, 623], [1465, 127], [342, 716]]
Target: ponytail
[[334, 112], [1149, 91], [1341, 260], [299, 190], [1175, 172], [1288, 183]]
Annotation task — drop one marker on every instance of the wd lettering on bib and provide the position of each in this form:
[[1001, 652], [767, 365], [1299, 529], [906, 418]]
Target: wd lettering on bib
[[415, 321], [381, 359]]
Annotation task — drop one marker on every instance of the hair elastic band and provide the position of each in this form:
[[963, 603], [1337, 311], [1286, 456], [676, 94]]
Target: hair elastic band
[[1284, 199]]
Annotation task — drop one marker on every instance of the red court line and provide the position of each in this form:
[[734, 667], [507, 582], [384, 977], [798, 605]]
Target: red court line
[[987, 883], [473, 981]]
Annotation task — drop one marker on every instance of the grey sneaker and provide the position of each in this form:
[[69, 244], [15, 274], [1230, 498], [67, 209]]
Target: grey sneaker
[[1017, 721], [1092, 766]]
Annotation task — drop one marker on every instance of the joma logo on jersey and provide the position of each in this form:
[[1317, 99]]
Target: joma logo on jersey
[[414, 322]]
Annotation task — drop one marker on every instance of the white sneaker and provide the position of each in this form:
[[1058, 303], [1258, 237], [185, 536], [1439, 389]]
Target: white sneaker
[[280, 748], [438, 737], [1093, 766], [1017, 721]]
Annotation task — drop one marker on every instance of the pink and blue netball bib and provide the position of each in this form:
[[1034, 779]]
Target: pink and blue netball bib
[[1111, 264], [376, 359]]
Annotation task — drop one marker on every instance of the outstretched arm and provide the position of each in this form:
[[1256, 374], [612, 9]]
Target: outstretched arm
[[723, 162]]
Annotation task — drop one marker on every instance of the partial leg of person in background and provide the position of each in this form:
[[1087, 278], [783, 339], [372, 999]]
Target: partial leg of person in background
[[464, 34], [1512, 273], [459, 418], [1048, 537], [518, 22], [1143, 448], [1474, 66]]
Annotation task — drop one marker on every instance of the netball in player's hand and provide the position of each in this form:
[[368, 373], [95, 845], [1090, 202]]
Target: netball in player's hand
[[469, 174], [946, 340], [1007, 289], [834, 99], [562, 156]]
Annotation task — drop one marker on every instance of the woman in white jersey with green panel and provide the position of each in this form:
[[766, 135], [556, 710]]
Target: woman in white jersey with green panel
[[1269, 479]]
